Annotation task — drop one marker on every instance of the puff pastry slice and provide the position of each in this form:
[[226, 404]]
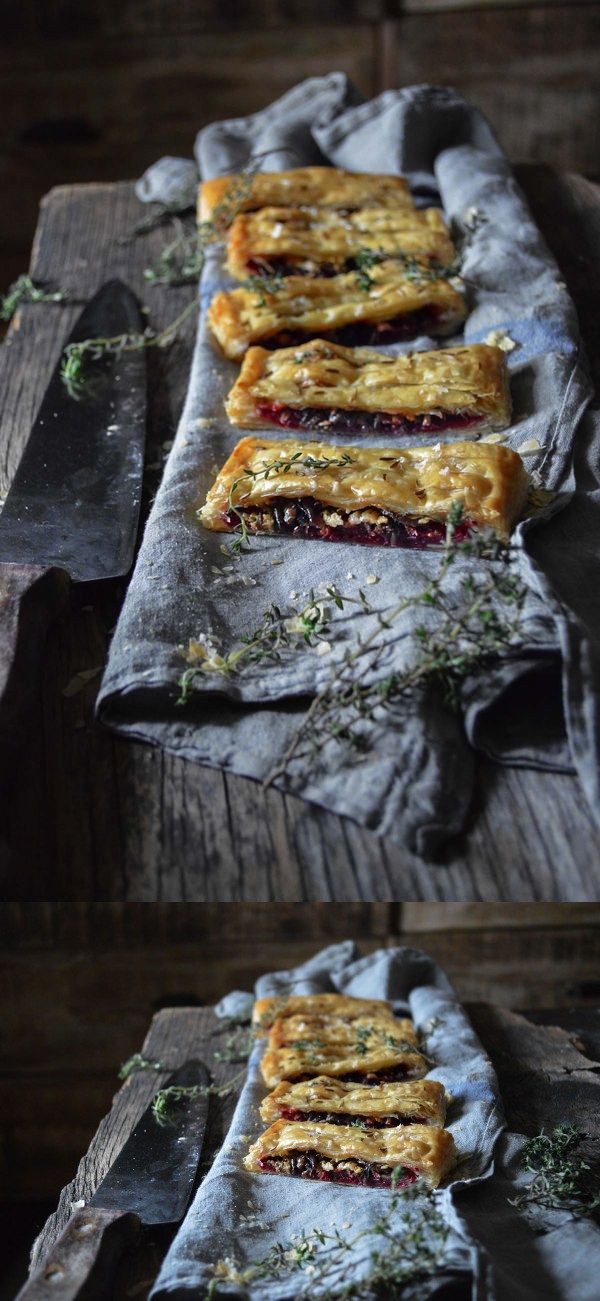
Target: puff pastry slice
[[267, 1010], [312, 1055], [365, 1032], [323, 187], [376, 496], [345, 1154], [309, 240], [337, 1102], [377, 307], [326, 387]]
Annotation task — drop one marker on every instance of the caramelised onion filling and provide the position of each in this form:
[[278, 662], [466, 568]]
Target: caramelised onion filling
[[363, 333], [333, 419], [305, 517], [339, 1118], [311, 1165]]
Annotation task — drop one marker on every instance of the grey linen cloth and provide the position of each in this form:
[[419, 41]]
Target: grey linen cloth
[[537, 706], [239, 1215], [512, 1255]]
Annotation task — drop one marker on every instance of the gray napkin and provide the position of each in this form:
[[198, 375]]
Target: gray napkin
[[241, 1215], [414, 781], [513, 1255]]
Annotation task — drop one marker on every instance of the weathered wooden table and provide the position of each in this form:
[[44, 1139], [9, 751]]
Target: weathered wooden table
[[548, 1075], [95, 817]]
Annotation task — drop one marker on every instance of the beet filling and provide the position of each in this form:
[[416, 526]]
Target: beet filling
[[338, 1118], [364, 333], [328, 420], [302, 517], [308, 1165]]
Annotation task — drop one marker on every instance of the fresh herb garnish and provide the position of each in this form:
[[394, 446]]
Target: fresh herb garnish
[[407, 1243], [561, 1179], [76, 375], [23, 290], [274, 467], [138, 1063]]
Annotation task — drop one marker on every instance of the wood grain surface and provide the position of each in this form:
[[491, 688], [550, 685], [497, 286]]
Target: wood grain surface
[[543, 1076], [115, 820]]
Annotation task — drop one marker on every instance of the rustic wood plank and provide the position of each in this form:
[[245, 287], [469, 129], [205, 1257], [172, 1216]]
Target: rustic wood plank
[[527, 1059], [119, 821]]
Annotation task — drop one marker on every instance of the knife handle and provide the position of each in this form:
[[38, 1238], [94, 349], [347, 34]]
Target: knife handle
[[83, 1261], [30, 598]]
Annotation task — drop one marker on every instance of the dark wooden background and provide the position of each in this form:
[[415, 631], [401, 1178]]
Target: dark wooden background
[[79, 984], [97, 89]]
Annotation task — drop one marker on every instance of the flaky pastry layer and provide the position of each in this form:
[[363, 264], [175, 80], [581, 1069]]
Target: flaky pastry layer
[[423, 483], [327, 305], [366, 1029], [323, 187], [326, 376], [310, 238], [267, 1010], [425, 1099], [311, 1056], [346, 1151]]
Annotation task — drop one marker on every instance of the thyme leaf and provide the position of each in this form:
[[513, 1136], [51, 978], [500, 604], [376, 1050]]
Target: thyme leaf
[[75, 373], [138, 1063], [561, 1179], [23, 290], [405, 1244]]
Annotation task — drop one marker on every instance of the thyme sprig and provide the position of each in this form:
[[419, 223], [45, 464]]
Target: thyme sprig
[[407, 1243], [279, 466], [74, 366], [561, 1179], [24, 290], [278, 633], [468, 632], [413, 268], [138, 1063]]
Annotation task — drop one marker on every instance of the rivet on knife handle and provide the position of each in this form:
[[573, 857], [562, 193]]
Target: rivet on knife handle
[[82, 1263]]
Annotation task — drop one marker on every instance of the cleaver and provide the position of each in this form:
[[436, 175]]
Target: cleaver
[[73, 509], [150, 1183]]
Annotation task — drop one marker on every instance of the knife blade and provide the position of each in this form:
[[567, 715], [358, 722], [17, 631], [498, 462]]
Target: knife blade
[[75, 497], [149, 1184], [73, 508]]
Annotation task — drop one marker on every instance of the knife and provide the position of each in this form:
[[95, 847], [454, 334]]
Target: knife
[[73, 508], [149, 1183]]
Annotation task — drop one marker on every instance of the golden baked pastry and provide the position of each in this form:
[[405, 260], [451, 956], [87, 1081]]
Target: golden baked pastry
[[337, 1102], [366, 494], [313, 1055], [365, 1032], [312, 239], [380, 306], [327, 388], [346, 1154], [323, 187], [267, 1010]]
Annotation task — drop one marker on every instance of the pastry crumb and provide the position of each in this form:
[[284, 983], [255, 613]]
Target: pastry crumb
[[372, 578], [501, 339]]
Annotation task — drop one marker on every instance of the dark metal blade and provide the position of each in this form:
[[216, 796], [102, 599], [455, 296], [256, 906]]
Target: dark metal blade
[[75, 498], [154, 1173]]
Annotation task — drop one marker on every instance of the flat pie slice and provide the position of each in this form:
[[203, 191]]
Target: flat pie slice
[[373, 495], [375, 307], [347, 1155], [328, 388], [311, 240], [323, 187], [267, 1010], [336, 1102], [313, 1056], [365, 1032]]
